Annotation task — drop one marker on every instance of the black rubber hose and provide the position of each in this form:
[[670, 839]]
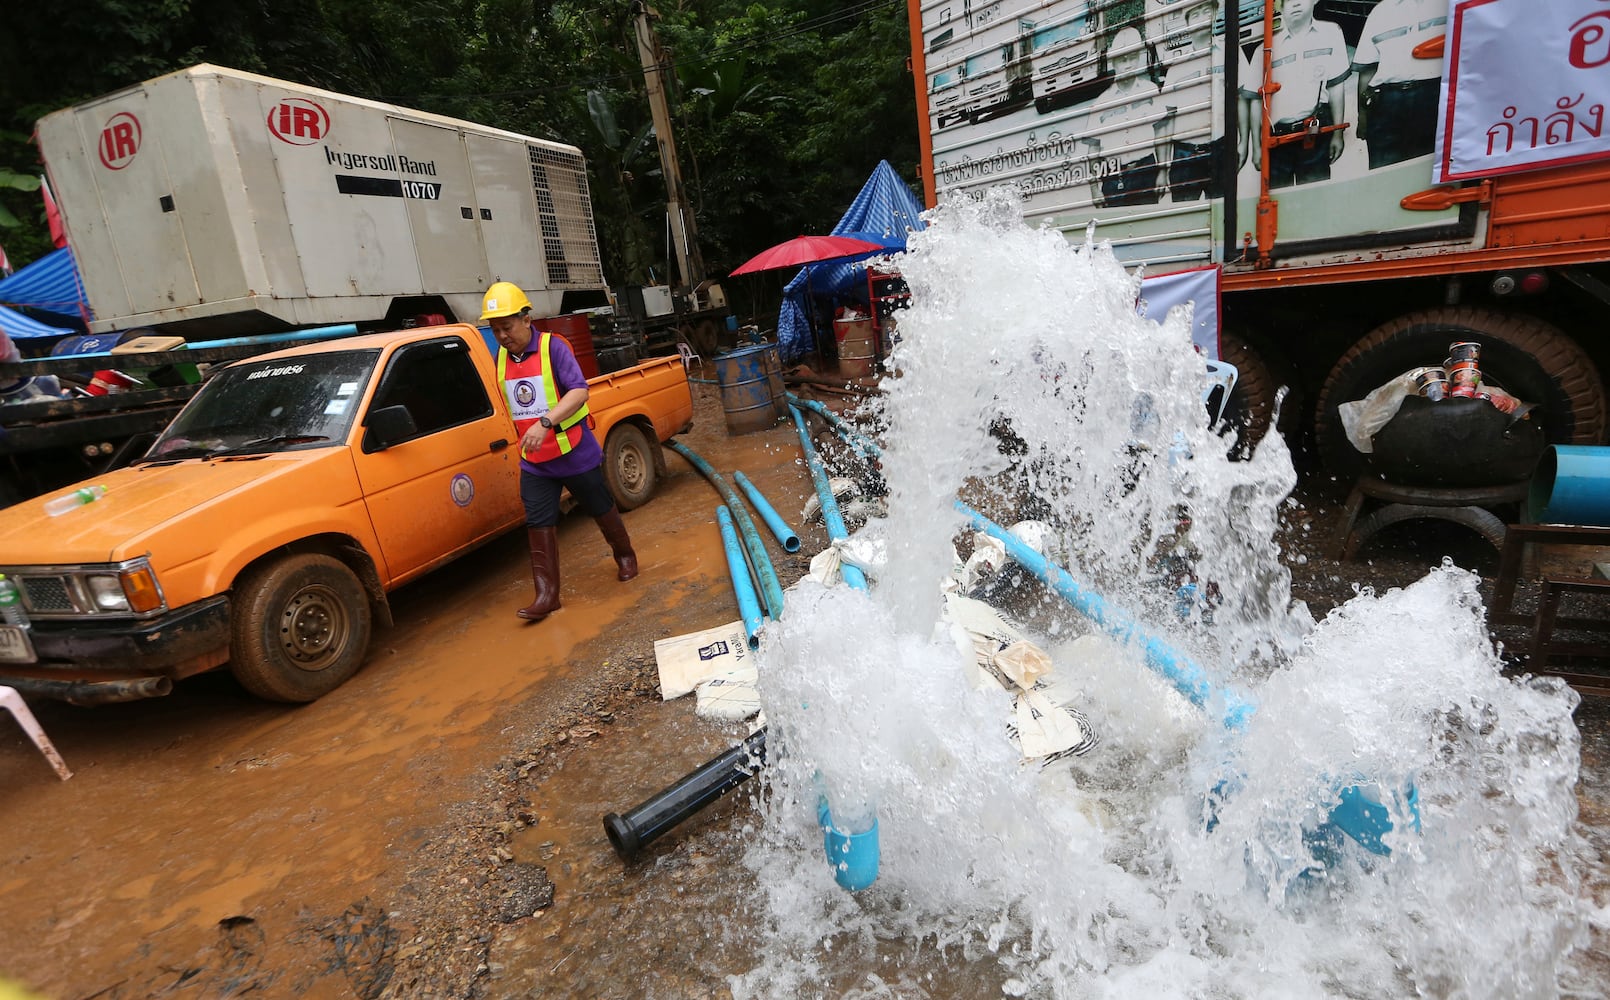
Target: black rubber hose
[[646, 822]]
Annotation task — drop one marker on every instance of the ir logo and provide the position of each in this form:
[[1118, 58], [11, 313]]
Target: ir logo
[[120, 140], [298, 121]]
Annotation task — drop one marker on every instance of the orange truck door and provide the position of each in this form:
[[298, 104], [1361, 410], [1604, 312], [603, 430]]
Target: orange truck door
[[451, 482]]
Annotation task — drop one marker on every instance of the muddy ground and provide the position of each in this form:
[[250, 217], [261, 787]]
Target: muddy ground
[[432, 829]]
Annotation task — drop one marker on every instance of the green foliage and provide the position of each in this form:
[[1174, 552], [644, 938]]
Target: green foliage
[[780, 109]]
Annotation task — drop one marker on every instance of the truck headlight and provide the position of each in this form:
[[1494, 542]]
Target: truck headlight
[[132, 588], [107, 593]]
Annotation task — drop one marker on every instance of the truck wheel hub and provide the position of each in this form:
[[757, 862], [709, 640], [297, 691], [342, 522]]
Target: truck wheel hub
[[631, 468], [313, 628]]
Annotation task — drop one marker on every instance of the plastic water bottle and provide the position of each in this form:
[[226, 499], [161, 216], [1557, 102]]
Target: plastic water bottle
[[84, 494], [11, 604]]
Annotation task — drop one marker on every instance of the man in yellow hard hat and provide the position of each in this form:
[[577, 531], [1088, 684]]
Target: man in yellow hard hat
[[547, 397]]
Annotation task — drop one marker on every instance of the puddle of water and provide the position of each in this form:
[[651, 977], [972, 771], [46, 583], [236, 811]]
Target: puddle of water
[[1101, 876]]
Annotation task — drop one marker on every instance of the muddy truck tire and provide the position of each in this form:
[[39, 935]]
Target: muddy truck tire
[[301, 627], [629, 466]]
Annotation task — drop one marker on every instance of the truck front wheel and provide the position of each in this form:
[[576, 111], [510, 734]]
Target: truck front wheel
[[629, 466], [301, 627]]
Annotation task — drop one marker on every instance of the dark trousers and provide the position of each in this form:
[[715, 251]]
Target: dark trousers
[[1134, 184], [1196, 169], [541, 496], [1401, 121], [1301, 162]]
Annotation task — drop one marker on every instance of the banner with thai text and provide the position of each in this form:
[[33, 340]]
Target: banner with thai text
[[1525, 85]]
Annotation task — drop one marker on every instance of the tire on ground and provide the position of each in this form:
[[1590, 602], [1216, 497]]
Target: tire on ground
[[301, 627], [1531, 359], [1483, 522], [629, 466]]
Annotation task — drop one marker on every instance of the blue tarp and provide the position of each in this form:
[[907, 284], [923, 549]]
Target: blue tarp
[[884, 212], [20, 327], [50, 283]]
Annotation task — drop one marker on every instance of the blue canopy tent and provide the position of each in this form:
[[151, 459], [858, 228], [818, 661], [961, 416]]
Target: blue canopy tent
[[50, 284], [884, 212], [19, 327]]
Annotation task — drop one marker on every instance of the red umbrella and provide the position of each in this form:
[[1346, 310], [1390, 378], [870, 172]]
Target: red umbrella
[[806, 250]]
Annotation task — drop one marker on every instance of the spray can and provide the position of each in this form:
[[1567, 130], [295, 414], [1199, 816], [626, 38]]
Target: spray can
[[11, 604], [57, 506]]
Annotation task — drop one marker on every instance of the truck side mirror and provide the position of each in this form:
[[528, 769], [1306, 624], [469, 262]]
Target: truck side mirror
[[387, 426]]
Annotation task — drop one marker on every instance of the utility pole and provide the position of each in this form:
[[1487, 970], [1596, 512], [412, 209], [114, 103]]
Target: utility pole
[[656, 69]]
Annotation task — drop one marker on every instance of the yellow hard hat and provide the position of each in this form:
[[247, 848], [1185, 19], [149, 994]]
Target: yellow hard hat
[[504, 299]]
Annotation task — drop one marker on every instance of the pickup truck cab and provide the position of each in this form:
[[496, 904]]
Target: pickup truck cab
[[266, 525]]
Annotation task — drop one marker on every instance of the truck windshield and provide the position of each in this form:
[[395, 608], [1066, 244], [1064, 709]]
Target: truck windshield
[[268, 406]]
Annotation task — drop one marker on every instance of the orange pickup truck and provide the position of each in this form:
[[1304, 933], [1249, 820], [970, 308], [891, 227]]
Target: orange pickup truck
[[267, 524]]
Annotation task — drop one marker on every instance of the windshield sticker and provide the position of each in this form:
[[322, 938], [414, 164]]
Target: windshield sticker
[[270, 372], [463, 489], [347, 389], [336, 408]]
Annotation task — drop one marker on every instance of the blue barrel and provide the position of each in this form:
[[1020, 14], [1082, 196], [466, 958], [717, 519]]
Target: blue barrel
[[746, 388], [1571, 486]]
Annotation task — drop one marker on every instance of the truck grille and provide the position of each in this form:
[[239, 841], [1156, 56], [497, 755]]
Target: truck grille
[[565, 217], [46, 594]]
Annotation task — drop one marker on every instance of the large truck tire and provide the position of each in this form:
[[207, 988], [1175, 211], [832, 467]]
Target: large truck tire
[[1529, 358], [1260, 375], [1252, 399], [301, 627]]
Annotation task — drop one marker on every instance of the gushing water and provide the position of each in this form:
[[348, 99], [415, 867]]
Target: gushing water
[[1183, 856]]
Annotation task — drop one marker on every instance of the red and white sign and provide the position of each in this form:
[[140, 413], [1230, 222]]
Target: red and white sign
[[298, 121], [1525, 85], [119, 141]]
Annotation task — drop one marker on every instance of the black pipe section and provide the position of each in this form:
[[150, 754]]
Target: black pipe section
[[90, 693], [657, 814]]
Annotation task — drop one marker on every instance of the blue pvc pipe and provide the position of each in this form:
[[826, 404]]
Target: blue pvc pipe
[[1367, 826], [315, 333], [779, 528], [830, 505], [1187, 678], [738, 569], [1571, 486], [860, 443], [771, 589]]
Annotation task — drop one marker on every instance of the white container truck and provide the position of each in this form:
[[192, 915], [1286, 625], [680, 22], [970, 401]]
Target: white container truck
[[211, 201], [213, 205]]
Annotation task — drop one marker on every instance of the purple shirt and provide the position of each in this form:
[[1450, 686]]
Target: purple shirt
[[566, 376]]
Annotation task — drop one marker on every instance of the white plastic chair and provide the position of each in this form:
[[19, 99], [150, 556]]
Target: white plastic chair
[[689, 359], [12, 702]]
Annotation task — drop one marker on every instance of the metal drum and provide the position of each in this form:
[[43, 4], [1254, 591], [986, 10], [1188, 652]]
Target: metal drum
[[858, 348], [746, 389], [774, 378]]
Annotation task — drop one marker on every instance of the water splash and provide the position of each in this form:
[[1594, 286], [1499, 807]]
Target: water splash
[[1028, 384]]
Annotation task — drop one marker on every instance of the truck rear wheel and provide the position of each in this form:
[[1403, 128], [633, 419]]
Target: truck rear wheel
[[301, 627], [1529, 358], [629, 466]]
